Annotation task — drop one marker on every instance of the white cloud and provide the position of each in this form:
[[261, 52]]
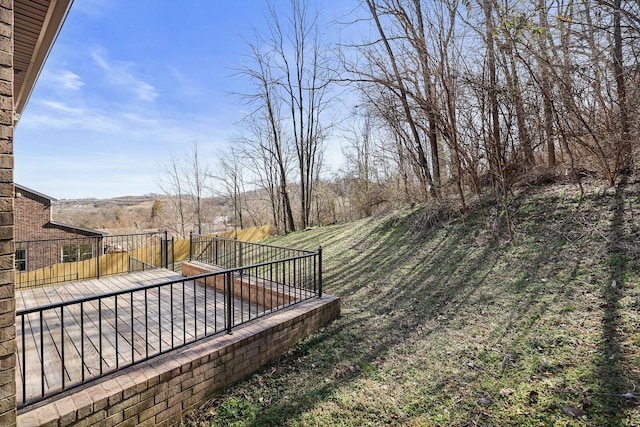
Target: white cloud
[[91, 8], [145, 91], [47, 116], [118, 73], [60, 107], [63, 79]]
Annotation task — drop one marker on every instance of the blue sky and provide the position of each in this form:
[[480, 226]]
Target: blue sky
[[128, 82]]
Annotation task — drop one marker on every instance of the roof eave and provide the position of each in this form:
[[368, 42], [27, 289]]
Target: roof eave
[[56, 14], [44, 196], [96, 233]]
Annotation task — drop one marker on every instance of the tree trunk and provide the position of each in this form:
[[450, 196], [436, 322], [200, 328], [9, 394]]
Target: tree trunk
[[618, 67]]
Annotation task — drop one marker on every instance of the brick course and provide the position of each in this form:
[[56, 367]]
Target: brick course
[[159, 391], [7, 296]]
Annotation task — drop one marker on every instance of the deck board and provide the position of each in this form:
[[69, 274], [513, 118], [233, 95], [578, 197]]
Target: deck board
[[135, 332]]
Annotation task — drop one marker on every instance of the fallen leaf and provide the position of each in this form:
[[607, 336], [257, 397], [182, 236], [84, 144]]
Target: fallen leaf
[[573, 412], [506, 392], [533, 397], [484, 401], [586, 403]]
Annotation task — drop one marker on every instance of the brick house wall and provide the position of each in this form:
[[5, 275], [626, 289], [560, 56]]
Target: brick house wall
[[33, 224], [32, 212], [7, 277]]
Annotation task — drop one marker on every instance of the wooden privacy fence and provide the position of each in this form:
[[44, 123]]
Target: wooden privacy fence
[[253, 234], [45, 262]]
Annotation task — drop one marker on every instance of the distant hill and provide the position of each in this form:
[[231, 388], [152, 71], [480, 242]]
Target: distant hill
[[128, 214], [124, 201]]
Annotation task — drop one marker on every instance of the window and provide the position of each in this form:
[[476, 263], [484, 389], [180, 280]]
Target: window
[[76, 252], [21, 260]]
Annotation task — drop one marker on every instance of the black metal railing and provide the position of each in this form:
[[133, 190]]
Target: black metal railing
[[65, 344], [229, 253], [51, 261]]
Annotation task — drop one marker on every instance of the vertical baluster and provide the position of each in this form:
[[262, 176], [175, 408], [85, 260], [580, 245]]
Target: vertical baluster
[[116, 320], [320, 271], [229, 299], [146, 325], [24, 363], [62, 343], [100, 333], [159, 320], [271, 285], [172, 334], [133, 354], [82, 339], [41, 353], [184, 315], [205, 305]]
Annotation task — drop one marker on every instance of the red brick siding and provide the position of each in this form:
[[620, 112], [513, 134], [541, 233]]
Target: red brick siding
[[7, 277], [32, 212], [268, 295], [32, 223]]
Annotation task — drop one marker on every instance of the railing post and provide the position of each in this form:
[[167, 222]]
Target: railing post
[[319, 271], [166, 249], [215, 249], [99, 250], [235, 253], [173, 253], [229, 300], [191, 246]]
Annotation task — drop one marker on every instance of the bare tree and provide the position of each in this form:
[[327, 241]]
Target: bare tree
[[594, 117], [359, 158], [232, 179], [172, 185], [304, 69], [387, 71], [184, 182], [263, 142], [291, 74], [197, 173]]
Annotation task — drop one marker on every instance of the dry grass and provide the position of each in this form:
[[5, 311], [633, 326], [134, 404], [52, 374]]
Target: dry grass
[[444, 322]]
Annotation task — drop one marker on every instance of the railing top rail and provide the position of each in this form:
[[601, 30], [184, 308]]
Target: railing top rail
[[92, 298], [105, 236], [230, 239]]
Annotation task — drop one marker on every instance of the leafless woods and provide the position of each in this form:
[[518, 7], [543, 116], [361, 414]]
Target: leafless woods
[[436, 100]]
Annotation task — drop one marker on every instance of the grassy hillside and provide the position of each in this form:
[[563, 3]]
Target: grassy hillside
[[444, 322]]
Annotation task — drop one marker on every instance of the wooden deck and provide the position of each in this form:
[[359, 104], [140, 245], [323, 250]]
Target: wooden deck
[[99, 338]]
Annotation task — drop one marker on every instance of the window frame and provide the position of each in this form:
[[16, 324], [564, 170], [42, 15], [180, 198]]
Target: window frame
[[76, 252], [21, 260]]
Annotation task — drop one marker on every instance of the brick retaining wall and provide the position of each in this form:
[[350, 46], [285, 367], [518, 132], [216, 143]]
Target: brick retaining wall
[[257, 291], [159, 391]]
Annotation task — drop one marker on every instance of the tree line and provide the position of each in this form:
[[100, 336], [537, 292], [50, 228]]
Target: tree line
[[432, 100]]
